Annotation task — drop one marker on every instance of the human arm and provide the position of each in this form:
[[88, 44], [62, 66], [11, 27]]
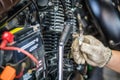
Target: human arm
[[114, 62]]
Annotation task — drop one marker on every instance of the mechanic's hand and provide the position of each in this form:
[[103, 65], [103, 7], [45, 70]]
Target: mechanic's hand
[[75, 50], [94, 52], [91, 50]]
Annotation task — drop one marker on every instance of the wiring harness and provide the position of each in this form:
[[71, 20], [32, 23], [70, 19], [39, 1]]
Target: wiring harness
[[8, 37]]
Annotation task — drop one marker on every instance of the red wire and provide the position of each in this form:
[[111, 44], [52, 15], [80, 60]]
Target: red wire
[[20, 74], [4, 43], [3, 47], [24, 52]]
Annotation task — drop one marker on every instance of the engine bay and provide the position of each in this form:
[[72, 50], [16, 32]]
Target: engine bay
[[40, 34]]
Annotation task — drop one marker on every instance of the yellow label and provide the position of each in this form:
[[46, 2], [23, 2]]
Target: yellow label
[[16, 30]]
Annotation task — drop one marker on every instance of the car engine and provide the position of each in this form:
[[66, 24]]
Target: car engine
[[36, 36]]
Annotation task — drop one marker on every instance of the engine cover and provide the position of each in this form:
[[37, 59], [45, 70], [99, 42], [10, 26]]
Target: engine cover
[[106, 16]]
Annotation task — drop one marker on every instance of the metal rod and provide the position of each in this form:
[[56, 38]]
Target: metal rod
[[63, 40], [61, 51]]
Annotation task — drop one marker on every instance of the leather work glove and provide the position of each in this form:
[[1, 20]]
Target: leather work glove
[[75, 50], [93, 52]]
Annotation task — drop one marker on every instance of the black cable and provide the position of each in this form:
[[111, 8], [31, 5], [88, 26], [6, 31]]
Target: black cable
[[19, 62], [1, 56], [37, 13], [33, 1]]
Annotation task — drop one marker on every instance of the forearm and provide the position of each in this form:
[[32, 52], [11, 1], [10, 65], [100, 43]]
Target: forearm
[[114, 62]]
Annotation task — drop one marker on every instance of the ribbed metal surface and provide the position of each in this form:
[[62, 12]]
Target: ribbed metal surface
[[54, 24], [51, 40], [55, 17]]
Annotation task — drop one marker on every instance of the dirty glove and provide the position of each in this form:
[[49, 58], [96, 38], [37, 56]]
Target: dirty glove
[[75, 50], [95, 53]]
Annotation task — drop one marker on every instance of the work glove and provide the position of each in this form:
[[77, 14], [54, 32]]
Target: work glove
[[75, 50], [94, 52]]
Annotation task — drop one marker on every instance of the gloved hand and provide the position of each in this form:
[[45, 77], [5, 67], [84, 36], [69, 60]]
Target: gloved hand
[[94, 52], [75, 50]]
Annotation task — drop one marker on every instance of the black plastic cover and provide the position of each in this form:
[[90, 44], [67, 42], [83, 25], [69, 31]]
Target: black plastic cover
[[107, 17]]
